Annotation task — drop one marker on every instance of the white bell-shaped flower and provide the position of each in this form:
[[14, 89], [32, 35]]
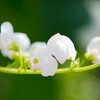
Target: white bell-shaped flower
[[41, 59], [61, 47], [8, 38], [94, 49]]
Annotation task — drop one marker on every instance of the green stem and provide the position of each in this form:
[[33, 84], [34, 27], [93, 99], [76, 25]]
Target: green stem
[[87, 68], [72, 65], [15, 64], [82, 63], [20, 59], [65, 70]]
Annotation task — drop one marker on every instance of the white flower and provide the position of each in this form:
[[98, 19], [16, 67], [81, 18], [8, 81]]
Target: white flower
[[41, 59], [8, 39], [61, 47], [94, 49]]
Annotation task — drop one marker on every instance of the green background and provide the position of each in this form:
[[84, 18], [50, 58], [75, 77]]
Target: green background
[[40, 19]]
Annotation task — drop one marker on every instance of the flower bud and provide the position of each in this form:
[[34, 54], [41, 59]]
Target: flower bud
[[94, 49], [62, 48]]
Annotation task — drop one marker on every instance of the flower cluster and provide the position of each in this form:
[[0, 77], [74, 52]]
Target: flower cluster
[[40, 55]]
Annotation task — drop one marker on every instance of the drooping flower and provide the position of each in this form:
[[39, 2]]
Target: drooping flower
[[10, 41], [94, 49], [61, 47], [41, 59]]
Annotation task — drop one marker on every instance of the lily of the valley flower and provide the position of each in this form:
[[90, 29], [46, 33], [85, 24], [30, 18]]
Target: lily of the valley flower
[[41, 59], [61, 47], [94, 49], [10, 42]]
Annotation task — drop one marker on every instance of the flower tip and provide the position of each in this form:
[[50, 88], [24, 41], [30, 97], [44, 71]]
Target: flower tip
[[6, 27], [57, 34]]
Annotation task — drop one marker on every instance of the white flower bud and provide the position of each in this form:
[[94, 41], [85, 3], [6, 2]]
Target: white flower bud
[[62, 48], [94, 49]]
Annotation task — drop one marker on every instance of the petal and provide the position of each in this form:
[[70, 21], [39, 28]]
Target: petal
[[6, 39], [58, 48], [40, 57], [71, 52], [40, 49], [10, 54], [97, 60], [39, 44], [94, 46], [67, 40], [32, 66], [6, 27], [49, 68], [39, 52], [21, 40], [6, 34], [1, 43], [4, 53]]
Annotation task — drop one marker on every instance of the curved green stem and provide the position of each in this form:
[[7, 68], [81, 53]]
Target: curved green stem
[[65, 70], [86, 68]]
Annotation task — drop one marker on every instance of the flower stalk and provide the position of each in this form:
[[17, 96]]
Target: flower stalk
[[59, 71]]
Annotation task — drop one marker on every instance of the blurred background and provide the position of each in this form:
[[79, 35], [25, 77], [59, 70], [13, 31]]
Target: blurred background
[[40, 19]]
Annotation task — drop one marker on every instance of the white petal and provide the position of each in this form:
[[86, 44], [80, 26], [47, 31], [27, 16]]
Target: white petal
[[36, 45], [41, 59], [71, 52], [10, 54], [6, 34], [32, 66], [1, 43], [58, 48], [49, 68], [97, 60], [39, 44], [6, 39], [40, 49], [6, 27], [94, 45], [21, 40], [4, 53], [39, 52]]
